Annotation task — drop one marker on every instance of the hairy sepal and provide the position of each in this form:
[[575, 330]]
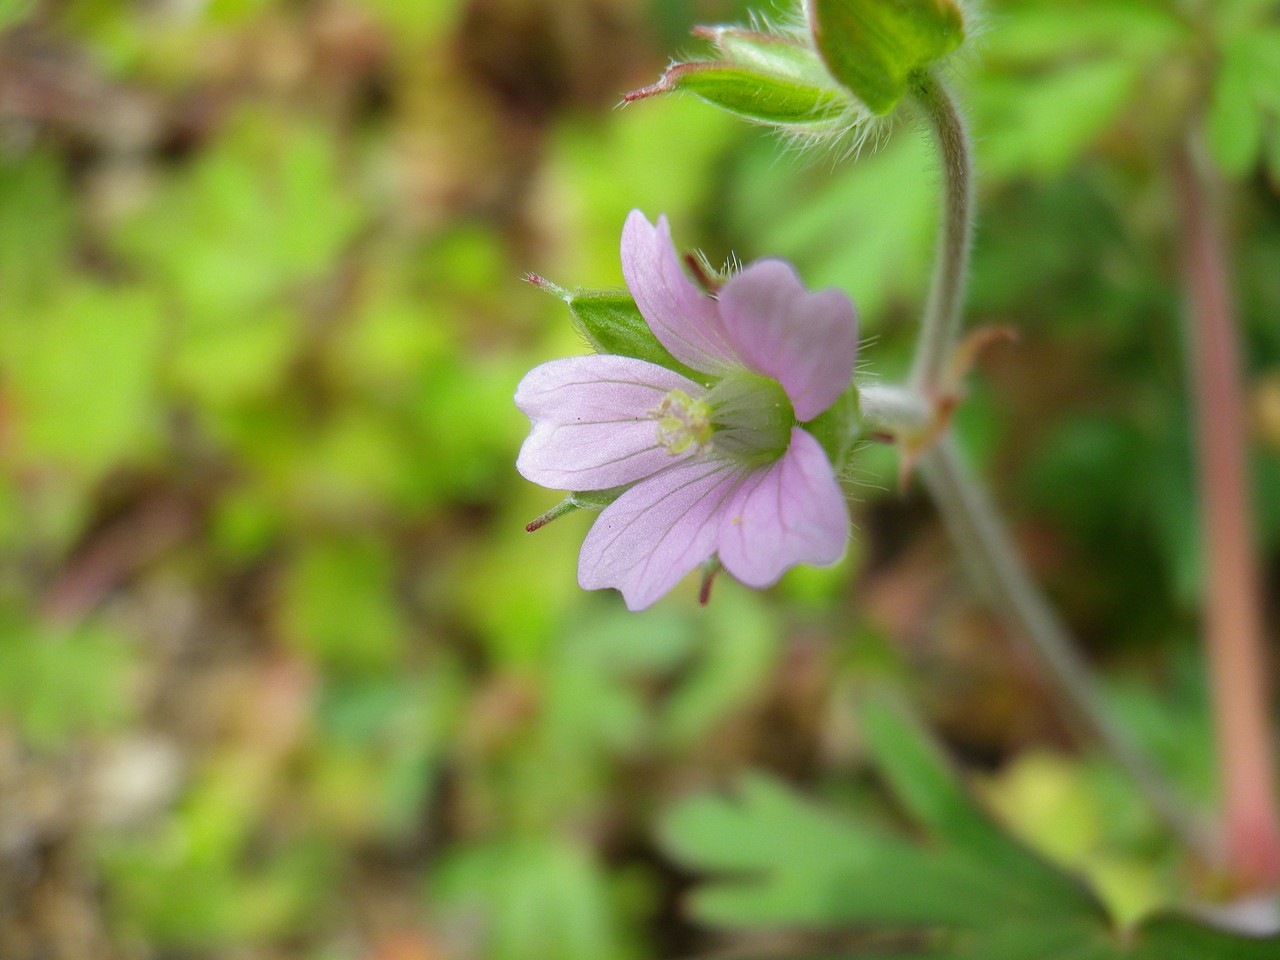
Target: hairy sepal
[[754, 94], [837, 428], [612, 324]]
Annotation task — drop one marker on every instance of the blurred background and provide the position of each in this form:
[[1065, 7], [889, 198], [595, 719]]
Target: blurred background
[[282, 676]]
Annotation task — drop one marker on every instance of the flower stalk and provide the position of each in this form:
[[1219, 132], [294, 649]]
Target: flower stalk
[[942, 315], [989, 553], [967, 510]]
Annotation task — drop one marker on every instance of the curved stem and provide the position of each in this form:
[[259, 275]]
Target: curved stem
[[946, 296], [994, 563], [968, 511]]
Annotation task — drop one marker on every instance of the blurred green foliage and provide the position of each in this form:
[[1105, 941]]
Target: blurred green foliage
[[281, 676]]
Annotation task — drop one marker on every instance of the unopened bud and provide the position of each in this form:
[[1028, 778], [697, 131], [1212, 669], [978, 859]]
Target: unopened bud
[[874, 47]]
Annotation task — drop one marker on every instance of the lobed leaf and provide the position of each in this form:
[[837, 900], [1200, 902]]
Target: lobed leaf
[[970, 891], [923, 781]]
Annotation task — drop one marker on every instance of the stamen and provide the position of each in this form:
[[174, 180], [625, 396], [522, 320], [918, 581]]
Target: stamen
[[683, 422]]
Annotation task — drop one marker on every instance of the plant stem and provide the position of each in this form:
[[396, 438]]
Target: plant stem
[[946, 293], [968, 511], [994, 563], [893, 409], [1233, 619]]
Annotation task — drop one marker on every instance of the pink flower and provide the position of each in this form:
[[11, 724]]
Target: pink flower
[[721, 467]]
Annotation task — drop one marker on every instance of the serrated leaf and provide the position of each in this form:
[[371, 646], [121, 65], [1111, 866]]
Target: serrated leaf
[[873, 47]]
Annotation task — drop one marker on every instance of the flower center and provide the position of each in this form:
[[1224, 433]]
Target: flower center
[[752, 417], [745, 417], [683, 422]]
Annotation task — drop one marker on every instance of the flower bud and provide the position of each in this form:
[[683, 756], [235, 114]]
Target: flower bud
[[775, 79], [873, 47]]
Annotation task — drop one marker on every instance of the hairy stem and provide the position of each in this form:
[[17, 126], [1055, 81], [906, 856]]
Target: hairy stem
[[966, 508], [946, 296], [1233, 609], [994, 563]]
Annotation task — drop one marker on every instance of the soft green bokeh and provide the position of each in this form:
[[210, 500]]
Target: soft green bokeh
[[282, 677]]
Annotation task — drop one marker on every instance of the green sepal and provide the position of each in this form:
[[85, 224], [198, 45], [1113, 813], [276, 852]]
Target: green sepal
[[874, 47], [836, 428], [752, 93], [594, 500], [612, 324], [779, 56]]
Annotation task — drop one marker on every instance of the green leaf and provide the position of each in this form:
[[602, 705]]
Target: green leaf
[[533, 897], [82, 373], [794, 864], [1056, 31], [339, 606], [1044, 125], [1177, 938], [884, 259], [612, 323], [1234, 123], [13, 11], [923, 781], [873, 47], [1273, 156], [59, 687], [972, 891]]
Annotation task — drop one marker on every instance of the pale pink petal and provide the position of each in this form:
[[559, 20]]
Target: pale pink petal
[[680, 315], [787, 513], [648, 539], [592, 423], [806, 341]]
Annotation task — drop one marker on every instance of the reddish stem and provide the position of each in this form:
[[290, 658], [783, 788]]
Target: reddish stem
[[1233, 619]]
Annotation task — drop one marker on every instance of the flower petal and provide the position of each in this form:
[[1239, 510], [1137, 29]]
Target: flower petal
[[806, 341], [662, 528], [681, 316], [592, 423], [787, 513]]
